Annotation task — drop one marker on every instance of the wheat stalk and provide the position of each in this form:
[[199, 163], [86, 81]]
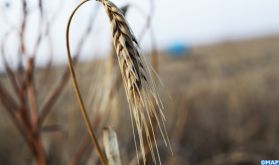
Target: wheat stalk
[[77, 90], [139, 85], [144, 101]]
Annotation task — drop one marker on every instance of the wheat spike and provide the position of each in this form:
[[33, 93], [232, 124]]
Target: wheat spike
[[139, 85]]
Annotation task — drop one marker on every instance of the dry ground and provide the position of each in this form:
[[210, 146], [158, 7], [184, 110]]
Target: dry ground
[[222, 105]]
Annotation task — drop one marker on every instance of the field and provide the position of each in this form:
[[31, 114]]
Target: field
[[221, 103]]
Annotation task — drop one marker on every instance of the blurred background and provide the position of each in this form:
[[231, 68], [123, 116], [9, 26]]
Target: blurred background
[[217, 61]]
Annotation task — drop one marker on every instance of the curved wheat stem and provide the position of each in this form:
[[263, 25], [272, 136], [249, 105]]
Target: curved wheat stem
[[77, 91]]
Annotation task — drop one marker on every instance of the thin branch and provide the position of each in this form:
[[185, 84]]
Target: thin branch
[[53, 97], [23, 27], [12, 76], [154, 53], [32, 93], [85, 143], [55, 93], [7, 99], [87, 31], [149, 16], [15, 115], [40, 23]]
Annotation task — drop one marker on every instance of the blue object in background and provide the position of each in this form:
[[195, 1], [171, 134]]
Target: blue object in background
[[178, 49]]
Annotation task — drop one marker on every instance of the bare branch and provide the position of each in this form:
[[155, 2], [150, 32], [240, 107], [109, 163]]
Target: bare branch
[[23, 27], [56, 92], [10, 72], [53, 96]]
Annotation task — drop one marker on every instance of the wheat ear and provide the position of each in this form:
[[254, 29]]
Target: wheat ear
[[143, 99]]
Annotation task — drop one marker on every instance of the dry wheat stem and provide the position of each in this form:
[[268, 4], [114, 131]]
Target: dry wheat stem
[[139, 85], [77, 91]]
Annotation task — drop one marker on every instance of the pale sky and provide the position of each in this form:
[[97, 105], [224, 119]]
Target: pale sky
[[193, 22]]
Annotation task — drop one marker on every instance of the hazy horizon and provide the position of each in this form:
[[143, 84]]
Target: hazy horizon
[[192, 22]]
